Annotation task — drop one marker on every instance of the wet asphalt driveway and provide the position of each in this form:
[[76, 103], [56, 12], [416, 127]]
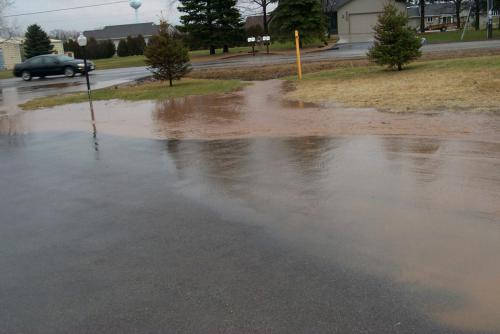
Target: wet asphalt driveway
[[366, 234]]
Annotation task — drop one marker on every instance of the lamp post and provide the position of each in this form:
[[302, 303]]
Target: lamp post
[[82, 42], [490, 19]]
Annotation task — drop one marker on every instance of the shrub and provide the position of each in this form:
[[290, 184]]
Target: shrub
[[396, 44], [166, 55]]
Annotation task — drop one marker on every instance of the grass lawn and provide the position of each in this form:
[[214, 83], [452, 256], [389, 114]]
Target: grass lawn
[[454, 36], [147, 91], [6, 74], [470, 84]]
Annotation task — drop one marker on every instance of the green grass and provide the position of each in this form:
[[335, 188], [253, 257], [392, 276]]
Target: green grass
[[6, 74], [454, 36], [148, 91]]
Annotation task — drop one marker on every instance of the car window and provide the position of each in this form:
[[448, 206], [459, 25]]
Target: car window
[[50, 60], [35, 61], [64, 58]]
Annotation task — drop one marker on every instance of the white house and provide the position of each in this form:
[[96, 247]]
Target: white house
[[12, 51], [355, 19]]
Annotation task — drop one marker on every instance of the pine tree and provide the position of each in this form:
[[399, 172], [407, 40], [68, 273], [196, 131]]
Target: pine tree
[[211, 22], [199, 22], [396, 44], [140, 44], [166, 55], [131, 46], [122, 48], [228, 22], [306, 16], [37, 42]]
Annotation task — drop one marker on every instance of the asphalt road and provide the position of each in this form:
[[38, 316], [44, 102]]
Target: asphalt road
[[297, 235], [15, 90]]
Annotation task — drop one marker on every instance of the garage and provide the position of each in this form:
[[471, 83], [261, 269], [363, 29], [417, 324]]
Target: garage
[[356, 18], [362, 24]]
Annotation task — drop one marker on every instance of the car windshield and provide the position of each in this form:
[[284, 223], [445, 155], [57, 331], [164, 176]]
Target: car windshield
[[64, 58]]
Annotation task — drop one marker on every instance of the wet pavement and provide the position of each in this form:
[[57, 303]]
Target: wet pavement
[[379, 223]]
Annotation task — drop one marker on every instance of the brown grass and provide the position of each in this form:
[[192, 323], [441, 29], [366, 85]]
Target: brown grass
[[284, 70], [469, 84]]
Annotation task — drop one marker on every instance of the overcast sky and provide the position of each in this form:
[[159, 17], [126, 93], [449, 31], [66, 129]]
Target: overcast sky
[[89, 18]]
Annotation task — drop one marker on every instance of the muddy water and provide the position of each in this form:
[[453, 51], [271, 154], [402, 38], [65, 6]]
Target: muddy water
[[258, 110], [424, 212], [420, 210]]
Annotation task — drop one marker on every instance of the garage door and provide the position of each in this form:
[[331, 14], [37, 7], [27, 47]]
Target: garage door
[[362, 23]]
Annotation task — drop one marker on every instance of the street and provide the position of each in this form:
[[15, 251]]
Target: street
[[15, 91]]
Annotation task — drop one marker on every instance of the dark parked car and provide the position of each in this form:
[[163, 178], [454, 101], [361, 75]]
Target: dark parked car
[[41, 66]]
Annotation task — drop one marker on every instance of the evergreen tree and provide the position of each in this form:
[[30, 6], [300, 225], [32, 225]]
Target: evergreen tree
[[131, 46], [122, 48], [306, 16], [140, 44], [166, 55], [396, 44], [199, 22], [110, 48], [228, 22], [211, 23], [37, 42]]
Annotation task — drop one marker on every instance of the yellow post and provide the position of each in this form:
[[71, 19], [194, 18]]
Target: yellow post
[[297, 47]]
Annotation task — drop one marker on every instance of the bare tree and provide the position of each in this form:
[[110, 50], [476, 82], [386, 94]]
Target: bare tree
[[64, 35], [262, 6], [5, 29], [458, 10]]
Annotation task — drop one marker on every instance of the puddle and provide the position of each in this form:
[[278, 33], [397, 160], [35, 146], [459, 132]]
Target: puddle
[[360, 234], [256, 111]]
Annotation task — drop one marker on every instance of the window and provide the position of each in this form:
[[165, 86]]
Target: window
[[50, 60], [35, 61], [64, 58], [429, 19]]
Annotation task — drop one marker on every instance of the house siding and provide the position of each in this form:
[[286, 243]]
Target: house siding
[[11, 54], [357, 18]]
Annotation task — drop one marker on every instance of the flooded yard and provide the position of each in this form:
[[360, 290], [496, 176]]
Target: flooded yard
[[244, 213]]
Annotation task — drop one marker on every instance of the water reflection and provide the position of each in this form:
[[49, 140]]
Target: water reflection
[[412, 209]]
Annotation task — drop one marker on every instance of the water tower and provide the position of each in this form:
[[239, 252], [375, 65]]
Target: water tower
[[135, 4]]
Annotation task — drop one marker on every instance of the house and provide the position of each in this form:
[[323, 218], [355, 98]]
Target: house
[[12, 51], [118, 32], [435, 13], [256, 23], [353, 20], [445, 13]]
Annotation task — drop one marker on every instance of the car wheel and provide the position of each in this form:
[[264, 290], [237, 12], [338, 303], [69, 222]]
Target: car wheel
[[69, 72], [26, 75]]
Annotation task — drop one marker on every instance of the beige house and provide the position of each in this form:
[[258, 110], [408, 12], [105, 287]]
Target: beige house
[[356, 18], [12, 51]]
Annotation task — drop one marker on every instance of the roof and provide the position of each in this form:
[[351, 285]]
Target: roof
[[14, 40], [335, 5], [257, 20], [122, 31], [433, 9]]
